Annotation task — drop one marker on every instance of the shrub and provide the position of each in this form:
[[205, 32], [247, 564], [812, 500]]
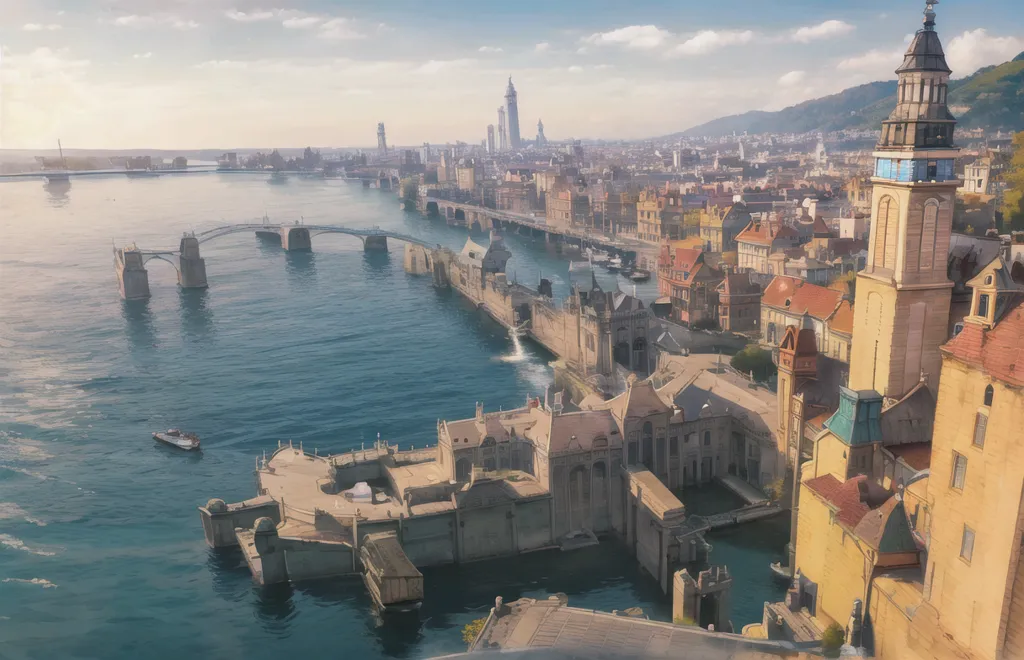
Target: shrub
[[756, 359], [774, 490], [472, 629], [832, 640]]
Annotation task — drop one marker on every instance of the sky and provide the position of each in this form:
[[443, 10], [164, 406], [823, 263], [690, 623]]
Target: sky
[[189, 74]]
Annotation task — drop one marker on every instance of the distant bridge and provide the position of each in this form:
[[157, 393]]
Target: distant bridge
[[130, 262], [481, 218]]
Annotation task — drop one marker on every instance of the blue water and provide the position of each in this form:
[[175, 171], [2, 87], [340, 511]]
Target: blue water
[[101, 550]]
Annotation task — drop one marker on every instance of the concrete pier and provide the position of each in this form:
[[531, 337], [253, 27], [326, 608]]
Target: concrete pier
[[191, 267], [417, 260], [295, 238], [132, 277], [375, 244]]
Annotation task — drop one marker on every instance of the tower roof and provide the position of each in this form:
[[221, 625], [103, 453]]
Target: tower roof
[[511, 89], [925, 51]]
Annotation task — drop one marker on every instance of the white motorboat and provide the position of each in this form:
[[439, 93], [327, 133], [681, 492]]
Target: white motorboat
[[596, 256], [178, 439], [614, 264]]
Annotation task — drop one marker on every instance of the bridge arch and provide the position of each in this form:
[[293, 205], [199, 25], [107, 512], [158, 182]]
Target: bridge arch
[[432, 208], [460, 215], [160, 257]]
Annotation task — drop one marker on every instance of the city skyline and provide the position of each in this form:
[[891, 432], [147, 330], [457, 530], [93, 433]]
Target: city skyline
[[185, 74]]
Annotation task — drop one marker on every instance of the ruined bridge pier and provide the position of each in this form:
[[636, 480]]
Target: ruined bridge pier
[[190, 267]]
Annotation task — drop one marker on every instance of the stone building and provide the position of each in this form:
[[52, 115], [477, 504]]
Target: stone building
[[568, 205], [659, 215], [720, 225], [759, 239], [908, 523], [689, 283], [739, 303], [792, 301]]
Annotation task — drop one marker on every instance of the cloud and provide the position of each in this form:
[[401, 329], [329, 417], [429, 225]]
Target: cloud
[[490, 49], [875, 63], [39, 27], [301, 22], [436, 66], [575, 69], [252, 16], [825, 30], [340, 28], [636, 37], [968, 52], [139, 20], [707, 41], [792, 78], [142, 56], [542, 46]]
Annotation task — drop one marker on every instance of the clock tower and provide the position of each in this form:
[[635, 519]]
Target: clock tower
[[901, 314]]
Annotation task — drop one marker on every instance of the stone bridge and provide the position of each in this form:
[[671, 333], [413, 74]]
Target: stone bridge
[[482, 219], [130, 262]]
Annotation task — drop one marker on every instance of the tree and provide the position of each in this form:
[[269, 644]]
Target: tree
[[832, 640], [706, 323], [472, 629], [1013, 198], [277, 160], [754, 359]]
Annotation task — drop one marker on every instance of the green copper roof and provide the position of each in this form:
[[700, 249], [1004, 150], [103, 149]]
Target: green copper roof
[[857, 420]]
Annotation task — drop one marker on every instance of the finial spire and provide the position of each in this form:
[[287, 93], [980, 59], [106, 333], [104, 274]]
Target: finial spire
[[929, 14]]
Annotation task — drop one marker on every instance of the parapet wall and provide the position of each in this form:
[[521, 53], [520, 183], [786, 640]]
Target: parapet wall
[[220, 519]]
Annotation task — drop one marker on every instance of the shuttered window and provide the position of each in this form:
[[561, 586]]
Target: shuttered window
[[980, 424], [967, 544], [959, 471]]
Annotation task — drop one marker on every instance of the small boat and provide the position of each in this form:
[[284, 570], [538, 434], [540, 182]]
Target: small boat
[[614, 265], [596, 256], [176, 438], [780, 572], [639, 275]]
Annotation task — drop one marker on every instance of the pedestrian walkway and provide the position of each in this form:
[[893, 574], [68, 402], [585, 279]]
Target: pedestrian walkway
[[750, 494]]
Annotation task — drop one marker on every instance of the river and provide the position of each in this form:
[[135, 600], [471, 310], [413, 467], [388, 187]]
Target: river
[[101, 549]]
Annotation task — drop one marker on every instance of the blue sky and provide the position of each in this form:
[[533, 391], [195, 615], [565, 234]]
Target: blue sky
[[235, 73]]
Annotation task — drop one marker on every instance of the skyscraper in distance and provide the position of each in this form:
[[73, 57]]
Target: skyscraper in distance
[[502, 130], [490, 138], [512, 110], [382, 141]]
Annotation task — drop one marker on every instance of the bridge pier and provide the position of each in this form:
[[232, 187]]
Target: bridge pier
[[132, 277], [375, 244], [191, 267], [296, 238]]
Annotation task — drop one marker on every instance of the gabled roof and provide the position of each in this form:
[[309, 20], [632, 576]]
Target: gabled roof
[[738, 284], [798, 296], [887, 529], [997, 350], [842, 319]]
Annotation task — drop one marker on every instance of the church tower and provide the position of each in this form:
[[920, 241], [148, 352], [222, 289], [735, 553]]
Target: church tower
[[903, 295]]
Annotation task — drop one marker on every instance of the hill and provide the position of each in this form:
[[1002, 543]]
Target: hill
[[991, 98]]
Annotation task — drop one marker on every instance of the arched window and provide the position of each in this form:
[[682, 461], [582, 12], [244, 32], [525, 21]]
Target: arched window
[[988, 395], [488, 442], [928, 232], [463, 468], [888, 221]]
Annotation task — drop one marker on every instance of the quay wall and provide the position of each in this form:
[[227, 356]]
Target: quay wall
[[309, 559], [429, 540]]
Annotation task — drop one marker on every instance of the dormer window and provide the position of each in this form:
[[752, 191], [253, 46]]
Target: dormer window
[[982, 305]]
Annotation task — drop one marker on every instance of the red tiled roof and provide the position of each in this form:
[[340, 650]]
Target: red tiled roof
[[820, 228], [803, 296], [842, 318], [999, 350], [757, 232], [917, 455], [843, 495]]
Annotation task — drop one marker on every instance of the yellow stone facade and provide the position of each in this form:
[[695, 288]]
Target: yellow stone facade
[[903, 295], [977, 598]]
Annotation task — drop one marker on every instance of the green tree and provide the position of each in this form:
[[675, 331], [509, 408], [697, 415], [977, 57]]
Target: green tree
[[754, 359], [832, 640], [1013, 198]]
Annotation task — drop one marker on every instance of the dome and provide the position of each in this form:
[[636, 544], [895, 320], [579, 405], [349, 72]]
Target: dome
[[216, 505]]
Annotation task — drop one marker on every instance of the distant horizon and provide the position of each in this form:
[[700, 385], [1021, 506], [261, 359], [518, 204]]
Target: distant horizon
[[117, 74]]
